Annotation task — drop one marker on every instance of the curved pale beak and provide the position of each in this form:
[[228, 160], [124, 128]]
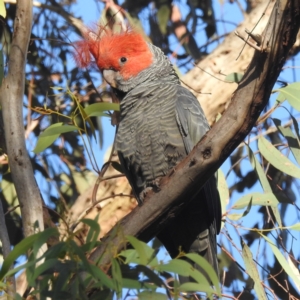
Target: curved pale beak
[[110, 77]]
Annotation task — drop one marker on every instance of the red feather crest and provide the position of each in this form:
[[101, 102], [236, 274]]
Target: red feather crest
[[108, 48]]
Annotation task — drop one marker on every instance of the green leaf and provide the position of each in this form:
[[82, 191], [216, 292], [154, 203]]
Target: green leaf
[[147, 295], [46, 265], [2, 9], [265, 199], [183, 268], [137, 285], [234, 77], [117, 277], [131, 256], [295, 270], [263, 181], [20, 249], [290, 137], [235, 216], [223, 191], [276, 158], [144, 252], [206, 266], [196, 287], [24, 266], [246, 212], [43, 238], [177, 266], [251, 268], [291, 93], [58, 128], [295, 226], [98, 109], [259, 171], [163, 16], [277, 216], [98, 274], [283, 262], [151, 275], [49, 135], [93, 234]]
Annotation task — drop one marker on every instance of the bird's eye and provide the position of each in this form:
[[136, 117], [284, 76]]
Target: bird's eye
[[123, 59]]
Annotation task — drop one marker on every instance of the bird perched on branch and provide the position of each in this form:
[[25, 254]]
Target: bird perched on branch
[[161, 122]]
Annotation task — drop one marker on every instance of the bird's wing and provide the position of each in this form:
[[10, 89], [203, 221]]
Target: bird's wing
[[193, 126], [128, 173]]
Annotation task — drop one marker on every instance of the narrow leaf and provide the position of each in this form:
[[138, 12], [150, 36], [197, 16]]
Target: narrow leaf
[[265, 199], [295, 270], [223, 191], [277, 216], [291, 93], [145, 252], [295, 226], [49, 135], [57, 128], [117, 277], [2, 9], [259, 171], [98, 109], [277, 159], [147, 295], [183, 268], [101, 276], [20, 249], [290, 137], [196, 287], [283, 262], [251, 268], [137, 285], [206, 266]]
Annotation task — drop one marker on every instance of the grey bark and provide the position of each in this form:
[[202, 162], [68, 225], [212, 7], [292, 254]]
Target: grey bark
[[11, 99]]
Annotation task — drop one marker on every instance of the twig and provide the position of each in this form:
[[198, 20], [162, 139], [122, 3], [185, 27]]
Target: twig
[[248, 42]]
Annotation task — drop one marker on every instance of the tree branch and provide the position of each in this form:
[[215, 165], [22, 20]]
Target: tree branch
[[11, 283], [251, 96], [11, 99]]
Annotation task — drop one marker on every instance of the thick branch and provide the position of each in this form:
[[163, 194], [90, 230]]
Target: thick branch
[[11, 99], [249, 100]]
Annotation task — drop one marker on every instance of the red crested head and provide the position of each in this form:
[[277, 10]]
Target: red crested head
[[126, 52]]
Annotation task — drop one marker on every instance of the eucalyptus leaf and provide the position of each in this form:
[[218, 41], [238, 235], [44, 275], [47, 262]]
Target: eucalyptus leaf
[[277, 159], [251, 269]]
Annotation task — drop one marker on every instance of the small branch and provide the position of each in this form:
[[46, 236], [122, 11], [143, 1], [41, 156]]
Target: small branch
[[77, 23], [248, 42], [11, 283]]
